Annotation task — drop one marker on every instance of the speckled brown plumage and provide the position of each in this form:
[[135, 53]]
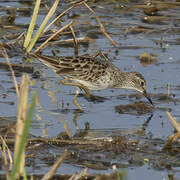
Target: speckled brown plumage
[[94, 73]]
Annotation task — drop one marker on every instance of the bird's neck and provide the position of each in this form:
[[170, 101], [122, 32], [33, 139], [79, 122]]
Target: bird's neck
[[120, 79]]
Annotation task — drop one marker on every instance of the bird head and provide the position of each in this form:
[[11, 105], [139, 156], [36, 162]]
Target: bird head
[[134, 80]]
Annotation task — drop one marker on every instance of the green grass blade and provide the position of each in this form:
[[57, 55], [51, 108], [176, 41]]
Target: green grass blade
[[49, 15], [24, 175], [24, 136], [32, 24]]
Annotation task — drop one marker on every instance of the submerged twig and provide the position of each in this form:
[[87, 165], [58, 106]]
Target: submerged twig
[[67, 129]]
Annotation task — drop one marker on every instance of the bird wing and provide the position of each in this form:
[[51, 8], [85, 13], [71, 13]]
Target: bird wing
[[80, 67]]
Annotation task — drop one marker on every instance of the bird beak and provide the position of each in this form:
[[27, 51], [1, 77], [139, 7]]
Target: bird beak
[[147, 96]]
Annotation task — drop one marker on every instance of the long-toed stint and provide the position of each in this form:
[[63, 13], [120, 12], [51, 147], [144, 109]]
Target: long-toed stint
[[92, 73]]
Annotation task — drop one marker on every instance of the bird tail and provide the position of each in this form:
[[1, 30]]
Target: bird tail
[[60, 66], [49, 61]]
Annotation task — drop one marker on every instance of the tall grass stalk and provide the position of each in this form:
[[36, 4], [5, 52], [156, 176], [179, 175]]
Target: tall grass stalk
[[32, 24], [39, 32], [22, 127]]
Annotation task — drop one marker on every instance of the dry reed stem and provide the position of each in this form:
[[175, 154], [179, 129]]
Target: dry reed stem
[[11, 69], [21, 117], [102, 27], [51, 37], [52, 10], [81, 175], [171, 139], [75, 41], [8, 151], [70, 41], [3, 152], [27, 68], [63, 13], [76, 115], [53, 169], [174, 122]]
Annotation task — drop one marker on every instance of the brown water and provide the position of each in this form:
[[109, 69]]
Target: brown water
[[160, 37]]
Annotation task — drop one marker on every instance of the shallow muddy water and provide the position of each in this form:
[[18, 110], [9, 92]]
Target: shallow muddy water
[[109, 113]]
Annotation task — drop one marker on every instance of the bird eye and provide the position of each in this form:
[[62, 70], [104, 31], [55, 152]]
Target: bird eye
[[142, 83]]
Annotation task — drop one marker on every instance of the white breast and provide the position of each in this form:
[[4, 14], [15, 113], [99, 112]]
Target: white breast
[[102, 83]]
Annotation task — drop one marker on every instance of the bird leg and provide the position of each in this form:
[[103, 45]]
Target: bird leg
[[66, 82], [75, 100]]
